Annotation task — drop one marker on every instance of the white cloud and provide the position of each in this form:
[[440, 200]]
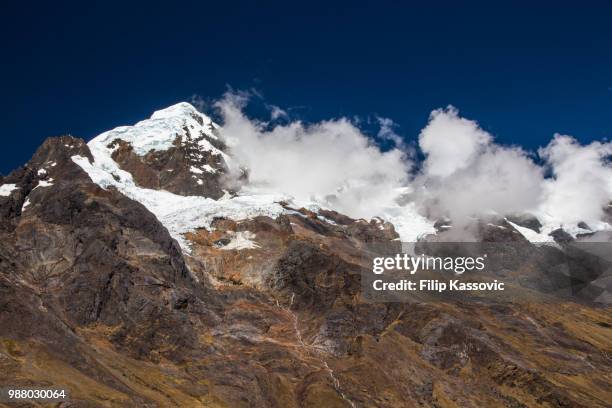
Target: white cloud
[[498, 181], [277, 113], [387, 131], [582, 180], [330, 161], [450, 142], [464, 174]]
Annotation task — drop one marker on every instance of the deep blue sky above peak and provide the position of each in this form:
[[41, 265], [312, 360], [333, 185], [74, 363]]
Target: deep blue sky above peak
[[522, 70]]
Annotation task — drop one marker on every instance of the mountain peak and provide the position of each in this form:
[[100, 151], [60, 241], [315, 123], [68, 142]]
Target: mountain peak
[[160, 131], [181, 109]]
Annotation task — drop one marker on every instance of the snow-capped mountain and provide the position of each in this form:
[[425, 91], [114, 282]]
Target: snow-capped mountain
[[185, 139], [170, 286], [174, 164], [145, 161]]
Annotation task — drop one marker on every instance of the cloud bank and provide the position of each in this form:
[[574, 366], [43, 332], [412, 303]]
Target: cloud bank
[[464, 173], [331, 162], [581, 185]]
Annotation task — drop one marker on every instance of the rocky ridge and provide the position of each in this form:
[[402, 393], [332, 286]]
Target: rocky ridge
[[126, 280]]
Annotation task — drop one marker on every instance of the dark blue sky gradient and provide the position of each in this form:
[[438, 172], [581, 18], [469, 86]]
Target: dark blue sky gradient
[[523, 70]]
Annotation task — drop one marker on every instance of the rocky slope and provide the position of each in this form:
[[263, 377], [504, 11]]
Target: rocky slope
[[132, 277]]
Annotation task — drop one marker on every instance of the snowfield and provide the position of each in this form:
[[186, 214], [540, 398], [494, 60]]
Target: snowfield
[[179, 214]]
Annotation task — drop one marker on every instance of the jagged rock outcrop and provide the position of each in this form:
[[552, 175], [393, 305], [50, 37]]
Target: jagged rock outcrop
[[182, 169], [178, 150]]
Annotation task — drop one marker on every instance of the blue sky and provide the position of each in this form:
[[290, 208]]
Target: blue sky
[[523, 71]]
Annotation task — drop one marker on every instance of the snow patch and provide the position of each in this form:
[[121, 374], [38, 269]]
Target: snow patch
[[533, 236], [496, 226], [44, 183], [241, 240], [408, 223], [7, 189], [324, 219], [205, 168], [548, 226]]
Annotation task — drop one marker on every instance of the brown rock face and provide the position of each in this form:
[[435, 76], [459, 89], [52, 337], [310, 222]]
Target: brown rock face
[[182, 169], [95, 296]]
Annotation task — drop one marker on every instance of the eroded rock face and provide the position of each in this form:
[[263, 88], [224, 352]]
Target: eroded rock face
[[48, 165], [263, 312], [182, 169]]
